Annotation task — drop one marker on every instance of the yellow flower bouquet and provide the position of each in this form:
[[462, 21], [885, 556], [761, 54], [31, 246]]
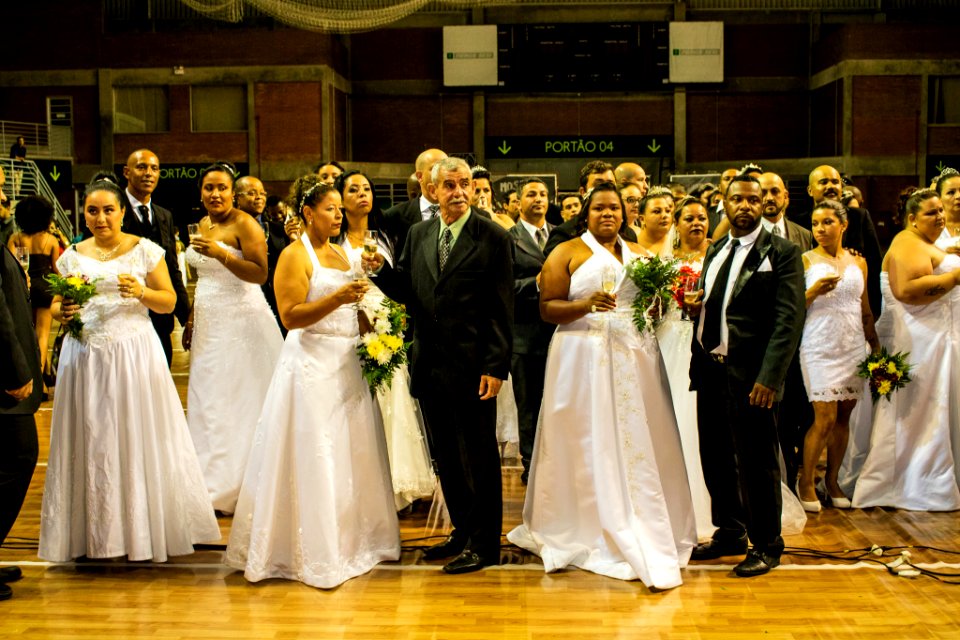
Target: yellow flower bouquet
[[78, 288], [886, 372], [383, 349]]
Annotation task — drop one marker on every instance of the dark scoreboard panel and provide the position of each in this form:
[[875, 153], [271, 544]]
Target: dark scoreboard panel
[[629, 56]]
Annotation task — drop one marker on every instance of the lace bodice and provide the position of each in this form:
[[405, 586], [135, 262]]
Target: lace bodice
[[845, 299], [342, 321], [106, 316]]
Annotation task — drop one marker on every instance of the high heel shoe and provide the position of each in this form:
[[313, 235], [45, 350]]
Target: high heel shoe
[[811, 506], [843, 502]]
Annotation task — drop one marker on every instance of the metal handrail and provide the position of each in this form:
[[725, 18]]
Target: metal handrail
[[23, 178], [42, 140]]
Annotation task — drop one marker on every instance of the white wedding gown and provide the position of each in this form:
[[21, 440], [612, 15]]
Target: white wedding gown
[[608, 487], [236, 343], [912, 460], [123, 477], [316, 503], [674, 335], [410, 468]]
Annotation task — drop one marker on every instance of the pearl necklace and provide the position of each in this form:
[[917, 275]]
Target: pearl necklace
[[106, 255]]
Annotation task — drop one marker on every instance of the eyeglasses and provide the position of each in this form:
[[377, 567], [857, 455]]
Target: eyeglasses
[[254, 194], [632, 201]]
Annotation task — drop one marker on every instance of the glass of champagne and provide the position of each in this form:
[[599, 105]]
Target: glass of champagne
[[608, 279], [370, 248], [690, 293], [23, 257], [193, 231]]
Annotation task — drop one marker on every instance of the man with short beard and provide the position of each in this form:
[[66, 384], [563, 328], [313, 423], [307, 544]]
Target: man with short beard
[[745, 332], [795, 414]]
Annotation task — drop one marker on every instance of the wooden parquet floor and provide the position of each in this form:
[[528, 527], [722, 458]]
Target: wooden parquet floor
[[198, 597]]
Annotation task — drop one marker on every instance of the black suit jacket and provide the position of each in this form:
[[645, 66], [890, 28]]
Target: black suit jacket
[[164, 233], [19, 353], [568, 231], [861, 236], [397, 221], [530, 333], [463, 316], [765, 314], [799, 236]]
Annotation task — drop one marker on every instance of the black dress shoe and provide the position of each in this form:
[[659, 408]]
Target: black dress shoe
[[5, 592], [713, 549], [469, 561], [10, 574], [452, 546], [756, 563]]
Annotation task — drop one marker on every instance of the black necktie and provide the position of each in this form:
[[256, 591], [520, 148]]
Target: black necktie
[[713, 307], [145, 215], [433, 209], [446, 242]]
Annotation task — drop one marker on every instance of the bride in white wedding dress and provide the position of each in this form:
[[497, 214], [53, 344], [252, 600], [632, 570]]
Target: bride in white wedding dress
[[410, 467], [232, 335], [123, 477], [316, 503], [608, 487]]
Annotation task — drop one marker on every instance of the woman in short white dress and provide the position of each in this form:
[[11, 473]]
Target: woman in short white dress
[[838, 325]]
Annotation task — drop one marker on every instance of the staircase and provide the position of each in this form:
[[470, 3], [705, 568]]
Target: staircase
[[25, 179]]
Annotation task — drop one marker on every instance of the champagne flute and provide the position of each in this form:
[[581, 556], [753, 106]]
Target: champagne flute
[[370, 248], [608, 279], [690, 293], [23, 257], [287, 220]]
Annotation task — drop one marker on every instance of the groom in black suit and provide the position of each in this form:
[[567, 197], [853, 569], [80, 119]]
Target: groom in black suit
[[147, 220], [531, 335], [20, 389], [456, 277], [747, 330]]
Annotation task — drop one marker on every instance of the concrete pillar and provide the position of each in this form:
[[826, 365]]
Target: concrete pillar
[[106, 108]]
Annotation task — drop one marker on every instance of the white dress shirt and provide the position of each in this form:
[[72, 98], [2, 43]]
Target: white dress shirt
[[532, 230], [746, 244], [781, 224], [425, 212], [136, 208]]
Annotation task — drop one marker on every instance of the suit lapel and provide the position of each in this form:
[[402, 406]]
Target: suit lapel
[[429, 249], [526, 243], [462, 248], [413, 214], [754, 259]]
